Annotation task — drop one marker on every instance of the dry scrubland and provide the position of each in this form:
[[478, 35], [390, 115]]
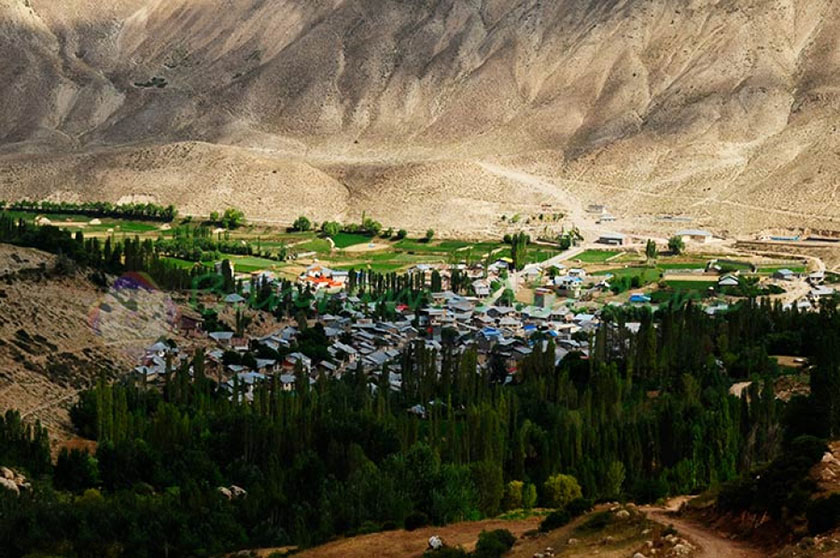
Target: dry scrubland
[[723, 110], [56, 340]]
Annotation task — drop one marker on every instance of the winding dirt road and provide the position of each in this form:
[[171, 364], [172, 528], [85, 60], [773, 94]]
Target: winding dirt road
[[711, 544]]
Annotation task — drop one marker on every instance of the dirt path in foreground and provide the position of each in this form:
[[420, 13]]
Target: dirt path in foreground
[[411, 544], [711, 544]]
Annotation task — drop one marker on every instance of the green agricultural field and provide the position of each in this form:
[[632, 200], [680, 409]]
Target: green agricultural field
[[344, 240], [541, 254], [320, 245], [446, 248], [249, 264], [129, 226], [596, 256], [647, 274], [414, 245], [666, 296], [682, 265]]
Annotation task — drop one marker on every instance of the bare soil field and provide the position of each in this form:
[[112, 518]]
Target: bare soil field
[[367, 247]]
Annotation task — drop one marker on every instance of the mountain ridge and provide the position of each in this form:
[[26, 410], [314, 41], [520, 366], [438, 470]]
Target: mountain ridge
[[703, 108]]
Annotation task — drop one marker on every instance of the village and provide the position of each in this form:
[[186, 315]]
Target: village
[[502, 313]]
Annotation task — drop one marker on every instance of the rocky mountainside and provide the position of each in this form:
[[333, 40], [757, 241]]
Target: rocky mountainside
[[441, 112]]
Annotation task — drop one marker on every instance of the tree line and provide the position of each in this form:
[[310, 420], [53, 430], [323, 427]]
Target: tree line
[[145, 211]]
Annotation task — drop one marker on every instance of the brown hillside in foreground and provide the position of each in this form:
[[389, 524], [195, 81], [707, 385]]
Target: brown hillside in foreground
[[429, 112]]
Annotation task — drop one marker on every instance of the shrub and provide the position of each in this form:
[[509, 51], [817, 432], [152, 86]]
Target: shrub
[[492, 544], [555, 520], [402, 233], [676, 244], [302, 224], [560, 490], [579, 506], [650, 490], [597, 521], [330, 228], [824, 514], [368, 527], [513, 495], [529, 496], [415, 520]]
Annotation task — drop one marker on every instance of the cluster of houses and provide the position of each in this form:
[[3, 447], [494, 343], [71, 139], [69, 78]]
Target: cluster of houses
[[358, 341], [319, 277]]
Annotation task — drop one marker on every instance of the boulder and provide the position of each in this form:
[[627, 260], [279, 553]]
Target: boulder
[[238, 491], [681, 550], [435, 542], [7, 473], [622, 514], [225, 492], [10, 485], [639, 555]]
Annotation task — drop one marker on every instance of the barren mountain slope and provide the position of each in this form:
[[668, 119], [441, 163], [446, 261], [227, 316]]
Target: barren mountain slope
[[724, 110]]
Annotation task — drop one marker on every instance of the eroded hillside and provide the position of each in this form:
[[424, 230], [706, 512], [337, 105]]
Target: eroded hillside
[[721, 110]]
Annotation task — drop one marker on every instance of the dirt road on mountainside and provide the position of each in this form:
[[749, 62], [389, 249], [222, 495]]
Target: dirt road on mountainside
[[710, 543]]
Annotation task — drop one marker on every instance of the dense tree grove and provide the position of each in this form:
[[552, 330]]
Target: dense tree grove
[[646, 414]]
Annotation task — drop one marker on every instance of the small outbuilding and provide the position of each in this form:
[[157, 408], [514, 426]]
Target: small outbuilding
[[613, 239], [695, 235]]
